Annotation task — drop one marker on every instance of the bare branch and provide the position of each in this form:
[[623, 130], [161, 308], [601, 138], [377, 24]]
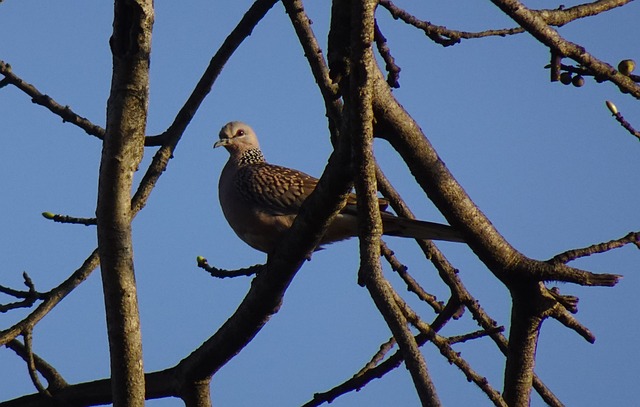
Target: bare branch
[[562, 16], [569, 302], [46, 101], [393, 70], [447, 37], [170, 138], [69, 219], [122, 152], [527, 314], [31, 364], [536, 25], [29, 297], [220, 273], [360, 111], [379, 356], [53, 297], [565, 318], [157, 167], [412, 285], [313, 53], [373, 369], [570, 255], [623, 122], [453, 357], [474, 335], [53, 377], [440, 34]]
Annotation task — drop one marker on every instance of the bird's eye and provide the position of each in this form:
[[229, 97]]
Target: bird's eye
[[240, 133]]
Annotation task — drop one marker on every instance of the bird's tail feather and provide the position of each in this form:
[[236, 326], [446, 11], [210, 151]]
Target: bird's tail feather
[[419, 229]]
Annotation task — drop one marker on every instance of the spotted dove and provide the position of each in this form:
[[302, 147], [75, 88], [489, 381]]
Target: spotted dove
[[261, 200]]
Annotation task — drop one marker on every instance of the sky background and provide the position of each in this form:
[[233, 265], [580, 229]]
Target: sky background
[[545, 162]]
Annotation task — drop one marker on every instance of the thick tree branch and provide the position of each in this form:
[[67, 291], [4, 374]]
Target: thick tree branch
[[157, 167], [160, 384], [122, 152], [268, 287], [506, 263], [370, 275], [527, 314]]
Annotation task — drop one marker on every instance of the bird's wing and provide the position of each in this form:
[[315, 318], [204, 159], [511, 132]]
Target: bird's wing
[[274, 189]]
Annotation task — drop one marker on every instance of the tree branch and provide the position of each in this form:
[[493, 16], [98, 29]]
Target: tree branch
[[122, 152], [31, 366], [452, 357], [536, 25], [447, 37], [360, 112], [53, 377], [527, 314], [46, 101], [313, 53], [52, 298], [569, 255]]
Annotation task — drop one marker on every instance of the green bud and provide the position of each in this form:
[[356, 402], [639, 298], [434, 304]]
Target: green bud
[[626, 66]]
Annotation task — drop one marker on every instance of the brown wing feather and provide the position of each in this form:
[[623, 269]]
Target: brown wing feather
[[279, 190]]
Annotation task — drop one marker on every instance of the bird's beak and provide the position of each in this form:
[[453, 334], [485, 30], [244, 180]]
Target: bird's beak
[[221, 143]]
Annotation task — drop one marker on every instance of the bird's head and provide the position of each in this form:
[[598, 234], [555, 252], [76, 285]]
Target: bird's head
[[237, 137]]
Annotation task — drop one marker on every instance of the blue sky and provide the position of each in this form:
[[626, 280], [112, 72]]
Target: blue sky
[[545, 162]]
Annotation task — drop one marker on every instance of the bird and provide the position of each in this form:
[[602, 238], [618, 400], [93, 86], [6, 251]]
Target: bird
[[260, 200]]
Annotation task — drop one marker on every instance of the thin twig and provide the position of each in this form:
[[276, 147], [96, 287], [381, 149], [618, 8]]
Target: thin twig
[[439, 34], [412, 285], [46, 101], [52, 298], [569, 255], [393, 70], [221, 273], [452, 356], [555, 65], [474, 335], [377, 357], [313, 53], [561, 314], [27, 335], [623, 122], [54, 379], [69, 219], [29, 297], [447, 37]]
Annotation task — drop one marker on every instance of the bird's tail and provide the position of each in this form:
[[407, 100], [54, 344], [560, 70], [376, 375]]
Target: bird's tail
[[418, 229]]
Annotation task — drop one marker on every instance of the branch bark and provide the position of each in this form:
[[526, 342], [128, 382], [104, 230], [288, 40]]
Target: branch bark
[[360, 111], [122, 152], [536, 25]]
